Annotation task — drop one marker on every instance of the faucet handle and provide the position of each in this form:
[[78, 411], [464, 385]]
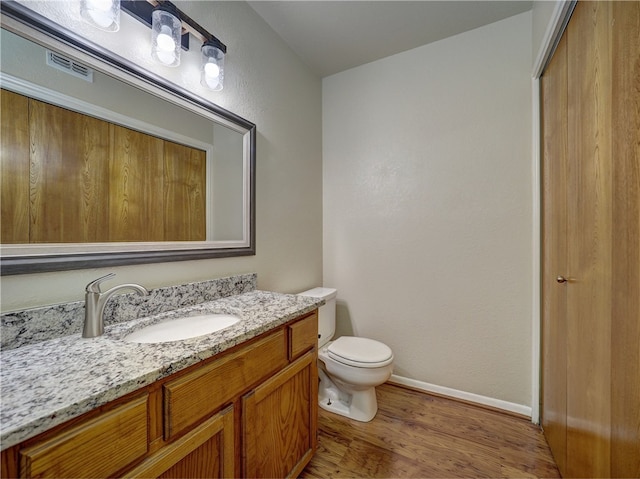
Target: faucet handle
[[94, 286]]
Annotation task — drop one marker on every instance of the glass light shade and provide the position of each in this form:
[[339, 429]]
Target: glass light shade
[[102, 14], [166, 32], [212, 68]]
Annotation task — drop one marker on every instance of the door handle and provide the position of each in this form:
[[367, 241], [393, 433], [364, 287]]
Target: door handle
[[561, 279]]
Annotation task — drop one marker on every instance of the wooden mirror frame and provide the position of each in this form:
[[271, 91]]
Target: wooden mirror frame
[[18, 16]]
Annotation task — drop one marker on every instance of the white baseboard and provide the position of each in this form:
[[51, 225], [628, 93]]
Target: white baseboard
[[466, 396]]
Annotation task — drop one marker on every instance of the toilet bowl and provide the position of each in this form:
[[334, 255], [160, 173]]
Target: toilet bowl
[[350, 367]]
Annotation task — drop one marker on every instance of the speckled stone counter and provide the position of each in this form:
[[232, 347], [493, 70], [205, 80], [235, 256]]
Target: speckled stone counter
[[50, 382], [22, 328]]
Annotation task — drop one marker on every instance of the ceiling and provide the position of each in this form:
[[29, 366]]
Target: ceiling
[[332, 36]]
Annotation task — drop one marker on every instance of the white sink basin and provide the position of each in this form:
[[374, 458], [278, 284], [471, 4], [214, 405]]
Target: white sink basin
[[182, 328]]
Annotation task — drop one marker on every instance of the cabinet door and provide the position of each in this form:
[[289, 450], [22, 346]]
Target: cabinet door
[[205, 452], [280, 420]]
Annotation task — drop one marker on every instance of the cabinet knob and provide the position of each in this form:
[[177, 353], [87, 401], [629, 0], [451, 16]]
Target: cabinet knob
[[561, 279]]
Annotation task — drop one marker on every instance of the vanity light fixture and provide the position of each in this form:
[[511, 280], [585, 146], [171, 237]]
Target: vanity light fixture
[[166, 34], [170, 30], [212, 75], [102, 14]]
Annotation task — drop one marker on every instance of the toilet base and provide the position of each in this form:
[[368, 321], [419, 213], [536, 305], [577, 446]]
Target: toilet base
[[359, 405]]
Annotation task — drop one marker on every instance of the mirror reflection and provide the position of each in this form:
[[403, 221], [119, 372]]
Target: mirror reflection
[[88, 158], [91, 163]]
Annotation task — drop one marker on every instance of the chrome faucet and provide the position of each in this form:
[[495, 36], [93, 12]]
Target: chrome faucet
[[95, 301]]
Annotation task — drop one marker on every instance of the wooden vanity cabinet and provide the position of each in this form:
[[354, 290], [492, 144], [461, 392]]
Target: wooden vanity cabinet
[[279, 417], [250, 411]]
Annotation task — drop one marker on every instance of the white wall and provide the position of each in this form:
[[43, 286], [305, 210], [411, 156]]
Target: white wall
[[428, 205], [266, 83]]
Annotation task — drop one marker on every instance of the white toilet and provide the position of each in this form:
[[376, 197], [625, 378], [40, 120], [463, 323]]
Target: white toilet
[[350, 368]]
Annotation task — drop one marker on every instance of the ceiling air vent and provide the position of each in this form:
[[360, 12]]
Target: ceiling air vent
[[67, 65]]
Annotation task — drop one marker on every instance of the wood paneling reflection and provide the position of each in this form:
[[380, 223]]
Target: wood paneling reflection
[[184, 193], [135, 181], [72, 178], [69, 159], [14, 168]]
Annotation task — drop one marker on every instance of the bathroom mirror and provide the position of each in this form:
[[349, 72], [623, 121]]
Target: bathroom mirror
[[130, 99]]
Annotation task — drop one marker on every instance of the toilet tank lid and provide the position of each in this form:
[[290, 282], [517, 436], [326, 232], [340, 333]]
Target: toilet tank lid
[[324, 293]]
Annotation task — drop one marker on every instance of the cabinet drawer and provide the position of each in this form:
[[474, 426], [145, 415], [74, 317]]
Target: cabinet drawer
[[196, 395], [99, 447], [303, 335]]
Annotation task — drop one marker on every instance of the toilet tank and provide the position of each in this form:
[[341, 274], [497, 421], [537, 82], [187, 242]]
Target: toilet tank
[[326, 313]]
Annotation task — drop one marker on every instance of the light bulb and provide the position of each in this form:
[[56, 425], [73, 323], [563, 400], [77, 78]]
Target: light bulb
[[165, 42], [104, 14], [212, 70]]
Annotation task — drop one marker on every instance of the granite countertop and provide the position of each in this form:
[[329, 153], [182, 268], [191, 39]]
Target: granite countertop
[[48, 383]]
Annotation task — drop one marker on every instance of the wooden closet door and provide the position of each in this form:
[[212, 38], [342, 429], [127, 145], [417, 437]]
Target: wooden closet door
[[554, 254], [625, 318], [589, 239], [602, 415]]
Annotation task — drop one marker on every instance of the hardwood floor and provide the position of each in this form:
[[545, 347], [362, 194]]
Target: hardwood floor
[[418, 435]]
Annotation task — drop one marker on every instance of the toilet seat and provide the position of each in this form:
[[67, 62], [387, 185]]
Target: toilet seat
[[360, 352]]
